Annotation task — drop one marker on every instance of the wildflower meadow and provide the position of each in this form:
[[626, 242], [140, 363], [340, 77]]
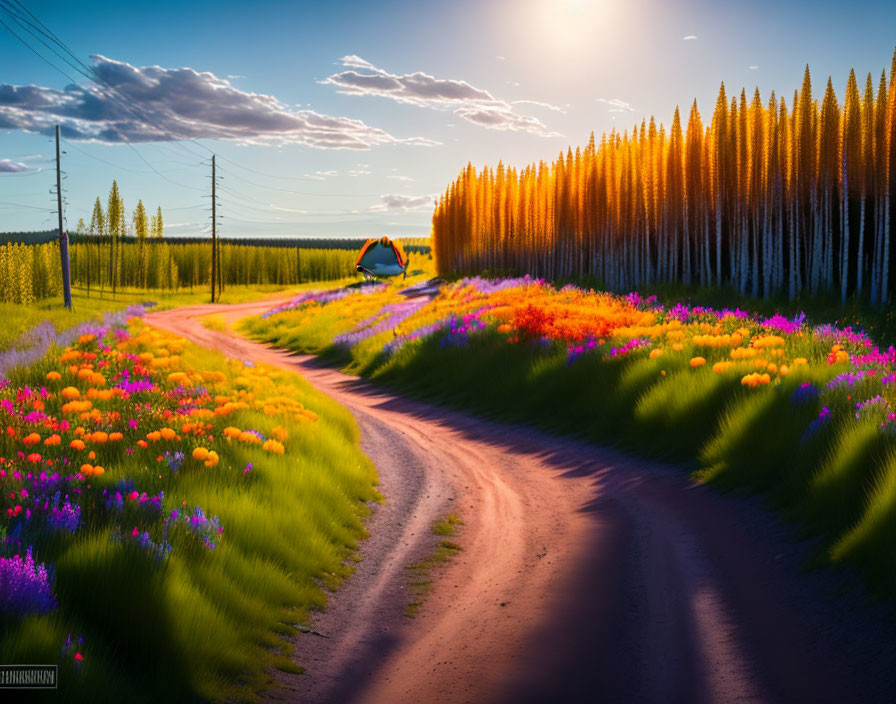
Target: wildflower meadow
[[802, 412], [167, 515]]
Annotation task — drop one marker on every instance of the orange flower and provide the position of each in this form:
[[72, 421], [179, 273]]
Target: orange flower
[[31, 439], [656, 354], [273, 446], [91, 455], [167, 434], [70, 392], [53, 376], [98, 470], [99, 436], [143, 443], [76, 444], [698, 361], [86, 469], [53, 440], [114, 437], [212, 459], [155, 436], [34, 457]]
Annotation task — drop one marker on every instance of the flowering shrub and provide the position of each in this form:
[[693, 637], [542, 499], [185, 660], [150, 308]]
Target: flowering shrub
[[25, 586]]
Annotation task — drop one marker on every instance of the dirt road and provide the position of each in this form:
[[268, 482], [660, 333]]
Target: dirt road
[[585, 575]]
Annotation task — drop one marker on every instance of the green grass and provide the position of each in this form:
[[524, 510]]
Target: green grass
[[19, 318], [838, 486], [215, 322], [444, 551], [206, 625]]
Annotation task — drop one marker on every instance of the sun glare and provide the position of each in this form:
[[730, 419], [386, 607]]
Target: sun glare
[[571, 26]]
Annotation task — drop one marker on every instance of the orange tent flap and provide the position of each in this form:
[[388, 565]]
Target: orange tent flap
[[367, 244], [400, 254]]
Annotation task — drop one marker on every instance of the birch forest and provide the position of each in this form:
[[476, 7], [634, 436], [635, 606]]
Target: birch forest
[[770, 197]]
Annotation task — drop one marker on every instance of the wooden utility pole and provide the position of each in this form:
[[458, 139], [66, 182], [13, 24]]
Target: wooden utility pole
[[214, 233], [63, 236]]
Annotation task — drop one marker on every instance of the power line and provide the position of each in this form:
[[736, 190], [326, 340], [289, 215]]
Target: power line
[[88, 71], [302, 193], [94, 77]]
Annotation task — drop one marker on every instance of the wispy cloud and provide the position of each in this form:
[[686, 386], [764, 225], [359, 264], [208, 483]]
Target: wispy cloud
[[232, 76], [8, 166], [753, 68], [690, 37], [423, 90], [540, 104], [501, 58], [395, 177], [398, 202], [322, 175], [173, 104], [616, 105]]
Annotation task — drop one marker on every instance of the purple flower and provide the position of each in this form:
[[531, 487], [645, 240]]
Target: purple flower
[[204, 528], [781, 324], [25, 587], [804, 394], [824, 417]]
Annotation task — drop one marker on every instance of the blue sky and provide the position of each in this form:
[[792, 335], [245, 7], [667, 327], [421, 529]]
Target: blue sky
[[346, 118]]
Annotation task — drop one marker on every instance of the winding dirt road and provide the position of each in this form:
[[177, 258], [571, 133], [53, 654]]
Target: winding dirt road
[[585, 575]]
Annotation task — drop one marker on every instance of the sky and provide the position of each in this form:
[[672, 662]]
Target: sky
[[349, 118]]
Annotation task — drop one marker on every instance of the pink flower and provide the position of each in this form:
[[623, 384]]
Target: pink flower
[[135, 532]]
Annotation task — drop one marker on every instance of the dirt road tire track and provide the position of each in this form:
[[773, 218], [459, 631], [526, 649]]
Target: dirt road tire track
[[585, 576]]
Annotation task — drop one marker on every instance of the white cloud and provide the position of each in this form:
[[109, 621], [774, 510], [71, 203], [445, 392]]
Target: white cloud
[[501, 58], [753, 68], [539, 104], [234, 76], [400, 202], [321, 175], [616, 105], [173, 104], [690, 37], [422, 90], [358, 172], [400, 178], [8, 166]]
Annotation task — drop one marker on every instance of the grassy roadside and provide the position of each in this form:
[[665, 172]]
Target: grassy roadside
[[154, 602], [811, 431]]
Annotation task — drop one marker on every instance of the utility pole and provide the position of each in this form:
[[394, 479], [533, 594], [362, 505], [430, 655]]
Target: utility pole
[[63, 236], [214, 233]]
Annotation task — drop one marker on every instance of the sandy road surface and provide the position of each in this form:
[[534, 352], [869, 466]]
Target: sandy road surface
[[585, 576]]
